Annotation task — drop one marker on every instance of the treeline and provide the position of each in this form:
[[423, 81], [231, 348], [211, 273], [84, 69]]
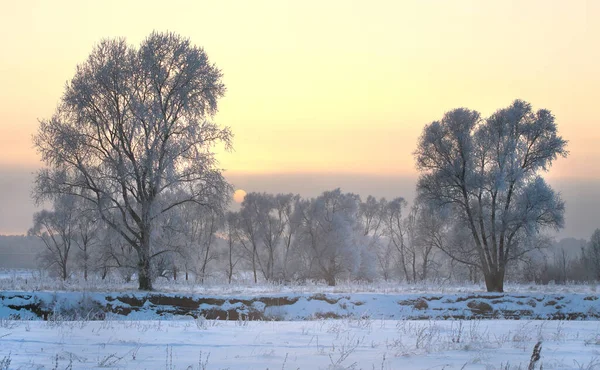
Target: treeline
[[285, 238]]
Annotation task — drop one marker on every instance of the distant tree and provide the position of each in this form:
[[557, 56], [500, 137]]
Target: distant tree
[[86, 235], [284, 210], [232, 252], [131, 135], [249, 232], [488, 172], [199, 226], [376, 253], [396, 233], [266, 233], [56, 229], [592, 254], [327, 230]]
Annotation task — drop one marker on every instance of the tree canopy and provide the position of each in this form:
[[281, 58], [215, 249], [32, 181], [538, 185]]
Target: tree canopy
[[487, 170], [132, 135]]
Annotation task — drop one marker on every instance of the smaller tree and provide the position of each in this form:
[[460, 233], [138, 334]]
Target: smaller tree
[[86, 236], [592, 254], [232, 252], [328, 231], [56, 229]]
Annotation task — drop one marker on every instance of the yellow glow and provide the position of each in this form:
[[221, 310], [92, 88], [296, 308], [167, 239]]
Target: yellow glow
[[328, 86], [239, 195]]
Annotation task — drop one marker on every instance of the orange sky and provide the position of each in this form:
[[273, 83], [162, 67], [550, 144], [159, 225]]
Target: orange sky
[[327, 86]]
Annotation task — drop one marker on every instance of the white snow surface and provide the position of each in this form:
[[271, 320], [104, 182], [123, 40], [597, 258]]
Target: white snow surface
[[35, 280], [289, 307], [320, 344]]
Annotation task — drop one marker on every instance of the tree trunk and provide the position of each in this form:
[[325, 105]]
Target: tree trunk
[[230, 272], [494, 281], [330, 280], [144, 276], [254, 264]]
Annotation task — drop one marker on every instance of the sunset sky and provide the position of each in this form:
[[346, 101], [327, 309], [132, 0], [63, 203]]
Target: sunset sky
[[326, 93]]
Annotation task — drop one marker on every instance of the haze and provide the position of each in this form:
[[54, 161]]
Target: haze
[[326, 94]]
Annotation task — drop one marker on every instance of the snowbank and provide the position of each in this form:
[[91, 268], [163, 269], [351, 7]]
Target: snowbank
[[303, 306]]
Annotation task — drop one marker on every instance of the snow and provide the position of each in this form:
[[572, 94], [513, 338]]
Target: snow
[[289, 307], [33, 280], [374, 330], [320, 344]]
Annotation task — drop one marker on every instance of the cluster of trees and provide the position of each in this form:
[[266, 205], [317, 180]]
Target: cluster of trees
[[286, 238], [131, 170], [276, 238], [570, 260]]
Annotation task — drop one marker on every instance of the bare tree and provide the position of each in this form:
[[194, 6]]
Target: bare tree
[[284, 208], [56, 229], [487, 170], [396, 233], [131, 136], [233, 257], [249, 231], [200, 225], [86, 230], [377, 252]]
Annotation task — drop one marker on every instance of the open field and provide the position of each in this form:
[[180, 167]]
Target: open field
[[35, 280], [108, 324], [321, 344]]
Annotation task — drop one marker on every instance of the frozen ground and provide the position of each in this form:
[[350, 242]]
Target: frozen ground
[[355, 342], [320, 344], [297, 306], [33, 280]]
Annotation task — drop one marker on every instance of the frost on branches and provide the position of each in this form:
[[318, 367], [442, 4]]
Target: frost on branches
[[487, 172], [132, 136]]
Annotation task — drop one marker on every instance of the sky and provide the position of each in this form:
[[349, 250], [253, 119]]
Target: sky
[[325, 94]]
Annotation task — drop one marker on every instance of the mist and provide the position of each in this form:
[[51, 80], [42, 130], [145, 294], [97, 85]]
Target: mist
[[582, 196]]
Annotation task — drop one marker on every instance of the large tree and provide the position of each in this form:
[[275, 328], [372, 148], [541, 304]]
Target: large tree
[[487, 170], [132, 136]]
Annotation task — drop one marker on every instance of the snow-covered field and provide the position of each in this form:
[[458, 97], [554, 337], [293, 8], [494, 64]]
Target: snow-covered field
[[34, 280], [363, 338], [320, 344]]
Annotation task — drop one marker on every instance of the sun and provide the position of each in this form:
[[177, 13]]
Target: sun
[[239, 195]]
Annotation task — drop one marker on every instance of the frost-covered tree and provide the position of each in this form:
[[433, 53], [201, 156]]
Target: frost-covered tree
[[377, 254], [56, 229], [396, 233], [487, 170], [132, 136], [249, 231], [327, 230], [284, 210], [231, 253], [592, 255], [86, 236], [197, 227], [266, 233]]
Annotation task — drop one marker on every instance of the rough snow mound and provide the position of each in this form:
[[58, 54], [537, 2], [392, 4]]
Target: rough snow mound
[[85, 305]]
